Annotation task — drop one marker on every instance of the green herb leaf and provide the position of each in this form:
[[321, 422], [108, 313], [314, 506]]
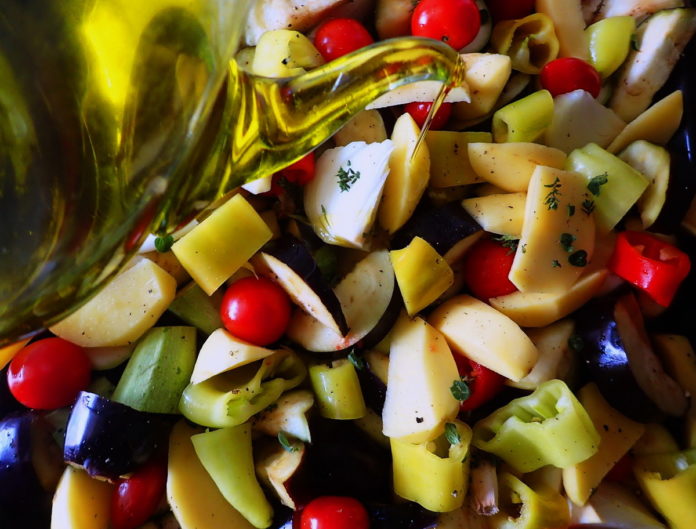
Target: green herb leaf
[[596, 182], [347, 177], [452, 434], [571, 210], [551, 200], [524, 248], [555, 263], [357, 361], [634, 42], [588, 206], [285, 442], [576, 343], [327, 261], [163, 244], [508, 241], [578, 258], [567, 240], [460, 390]]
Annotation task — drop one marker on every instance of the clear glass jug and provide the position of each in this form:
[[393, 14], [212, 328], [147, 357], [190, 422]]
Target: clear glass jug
[[118, 115]]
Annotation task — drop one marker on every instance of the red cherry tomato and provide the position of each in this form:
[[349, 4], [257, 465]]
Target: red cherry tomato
[[419, 113], [566, 74], [334, 512], [510, 9], [338, 37], [456, 22], [256, 310], [301, 172], [49, 373], [486, 267], [483, 383], [135, 499]]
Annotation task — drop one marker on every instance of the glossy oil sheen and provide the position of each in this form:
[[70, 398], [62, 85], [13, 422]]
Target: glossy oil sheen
[[120, 115]]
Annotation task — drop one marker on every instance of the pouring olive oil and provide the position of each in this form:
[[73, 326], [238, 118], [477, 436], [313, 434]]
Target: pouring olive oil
[[116, 116]]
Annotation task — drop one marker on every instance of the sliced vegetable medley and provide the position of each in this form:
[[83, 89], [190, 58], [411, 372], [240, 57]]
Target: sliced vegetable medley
[[492, 328]]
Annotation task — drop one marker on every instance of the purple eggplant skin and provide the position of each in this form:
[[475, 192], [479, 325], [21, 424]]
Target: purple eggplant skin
[[293, 253], [373, 389], [606, 360], [682, 146], [109, 439], [23, 501], [386, 322], [400, 516], [7, 402], [427, 223]]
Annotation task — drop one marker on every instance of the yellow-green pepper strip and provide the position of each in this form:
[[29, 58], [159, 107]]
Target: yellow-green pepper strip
[[525, 119], [669, 482], [530, 42], [548, 427], [438, 483], [227, 456], [231, 398], [539, 508], [610, 42], [338, 390]]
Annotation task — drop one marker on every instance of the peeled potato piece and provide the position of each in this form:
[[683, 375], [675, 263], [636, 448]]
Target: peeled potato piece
[[498, 213]]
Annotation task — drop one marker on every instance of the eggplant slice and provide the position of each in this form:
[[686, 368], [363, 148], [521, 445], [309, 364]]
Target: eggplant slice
[[288, 262], [620, 359], [109, 439]]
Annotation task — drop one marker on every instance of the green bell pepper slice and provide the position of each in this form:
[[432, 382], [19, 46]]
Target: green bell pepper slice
[[523, 507], [548, 427], [669, 482], [226, 455], [338, 390], [231, 398], [433, 474]]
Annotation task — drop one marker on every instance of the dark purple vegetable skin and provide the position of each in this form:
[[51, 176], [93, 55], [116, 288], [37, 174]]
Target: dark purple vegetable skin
[[7, 402], [110, 439], [427, 223], [682, 146], [386, 322], [606, 360], [295, 254], [382, 516], [24, 503], [373, 389]]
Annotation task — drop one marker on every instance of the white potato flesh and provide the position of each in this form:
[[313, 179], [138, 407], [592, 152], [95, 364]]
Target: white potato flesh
[[481, 333], [500, 213], [420, 91], [421, 371], [123, 311]]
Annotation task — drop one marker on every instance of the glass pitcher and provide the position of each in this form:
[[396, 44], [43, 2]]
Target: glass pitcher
[[116, 116]]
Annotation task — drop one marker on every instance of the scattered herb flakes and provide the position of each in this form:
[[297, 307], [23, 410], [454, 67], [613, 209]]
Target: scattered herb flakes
[[507, 241], [452, 434], [567, 240], [325, 215], [285, 442], [163, 244], [576, 343], [588, 206], [596, 182], [347, 177], [578, 258], [551, 200], [524, 248], [634, 42], [571, 210], [555, 263], [357, 360], [460, 390]]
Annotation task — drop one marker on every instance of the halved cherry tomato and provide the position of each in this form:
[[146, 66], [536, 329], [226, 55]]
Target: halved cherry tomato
[[301, 172], [566, 74], [49, 373], [135, 499], [334, 512], [486, 267], [419, 113], [483, 383], [338, 37], [509, 9], [256, 310], [456, 22]]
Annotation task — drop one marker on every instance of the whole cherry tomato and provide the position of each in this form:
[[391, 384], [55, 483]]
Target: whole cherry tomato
[[509, 9], [486, 267], [136, 498], [338, 37], [456, 22], [566, 74], [419, 113], [483, 383], [49, 373], [256, 310], [334, 512]]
